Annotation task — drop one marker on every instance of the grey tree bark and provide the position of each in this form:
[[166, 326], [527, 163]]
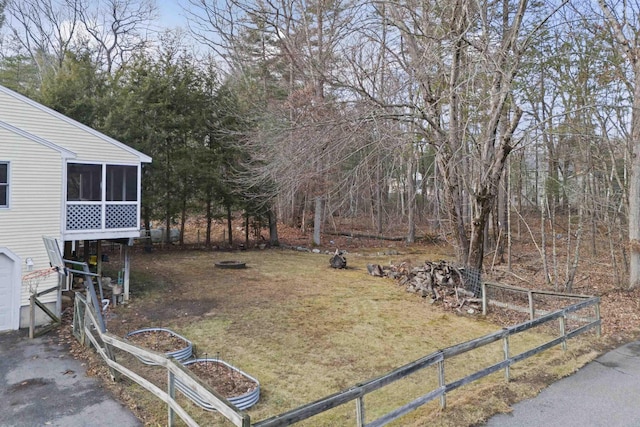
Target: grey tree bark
[[628, 44]]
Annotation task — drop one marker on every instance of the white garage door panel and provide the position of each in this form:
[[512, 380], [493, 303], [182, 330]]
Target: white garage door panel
[[7, 289]]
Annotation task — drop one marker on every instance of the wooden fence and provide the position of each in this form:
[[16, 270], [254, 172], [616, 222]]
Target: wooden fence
[[530, 293], [358, 392], [104, 343], [35, 302], [438, 360], [31, 280]]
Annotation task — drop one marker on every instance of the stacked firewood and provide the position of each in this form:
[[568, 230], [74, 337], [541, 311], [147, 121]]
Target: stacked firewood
[[439, 281]]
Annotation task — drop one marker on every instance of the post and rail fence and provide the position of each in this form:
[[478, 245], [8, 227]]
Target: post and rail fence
[[105, 342], [31, 280], [438, 360]]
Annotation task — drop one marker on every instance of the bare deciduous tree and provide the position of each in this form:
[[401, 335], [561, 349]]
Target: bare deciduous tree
[[117, 28], [45, 29], [463, 58], [623, 20], [304, 37]]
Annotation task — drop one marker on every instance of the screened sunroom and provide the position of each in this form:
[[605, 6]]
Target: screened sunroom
[[102, 201]]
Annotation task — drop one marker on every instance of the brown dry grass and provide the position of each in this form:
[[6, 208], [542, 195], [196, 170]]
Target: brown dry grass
[[306, 331]]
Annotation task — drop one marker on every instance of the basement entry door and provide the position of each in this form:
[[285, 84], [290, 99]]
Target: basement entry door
[[8, 289]]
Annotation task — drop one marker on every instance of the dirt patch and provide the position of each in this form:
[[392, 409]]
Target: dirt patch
[[157, 340], [224, 380]]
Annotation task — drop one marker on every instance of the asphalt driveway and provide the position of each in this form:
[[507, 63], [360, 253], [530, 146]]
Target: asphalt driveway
[[41, 384], [604, 393]]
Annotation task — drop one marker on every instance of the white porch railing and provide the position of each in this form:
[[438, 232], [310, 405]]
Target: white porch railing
[[97, 216]]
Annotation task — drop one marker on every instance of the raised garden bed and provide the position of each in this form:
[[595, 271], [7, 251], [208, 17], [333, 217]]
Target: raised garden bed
[[163, 341], [239, 388]]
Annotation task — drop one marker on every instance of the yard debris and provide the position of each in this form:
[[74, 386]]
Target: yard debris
[[439, 281], [338, 260], [375, 270]]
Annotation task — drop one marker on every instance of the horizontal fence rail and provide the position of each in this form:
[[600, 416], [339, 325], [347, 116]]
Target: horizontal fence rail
[[437, 360], [175, 370], [357, 393], [531, 293], [35, 302]]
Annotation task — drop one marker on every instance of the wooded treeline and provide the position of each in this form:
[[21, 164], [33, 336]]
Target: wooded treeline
[[456, 117]]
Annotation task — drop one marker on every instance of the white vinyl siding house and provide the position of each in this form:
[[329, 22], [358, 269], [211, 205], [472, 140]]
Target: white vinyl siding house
[[36, 199], [43, 189]]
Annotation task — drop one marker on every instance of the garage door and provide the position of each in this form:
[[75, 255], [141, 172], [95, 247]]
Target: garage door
[[9, 287]]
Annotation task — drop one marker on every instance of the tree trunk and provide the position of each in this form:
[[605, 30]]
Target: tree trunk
[[273, 228], [169, 197], [486, 192], [573, 268], [453, 199], [146, 219], [229, 225], [378, 198], [303, 215], [629, 48], [183, 220], [503, 216], [454, 192], [167, 224], [209, 215], [481, 208], [246, 230], [411, 200], [543, 241], [509, 222], [634, 187], [317, 220]]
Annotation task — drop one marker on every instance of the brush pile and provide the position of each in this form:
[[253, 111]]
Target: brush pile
[[438, 281], [338, 260]]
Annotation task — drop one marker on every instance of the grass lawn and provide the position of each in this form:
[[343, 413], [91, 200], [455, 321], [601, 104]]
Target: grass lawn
[[305, 331]]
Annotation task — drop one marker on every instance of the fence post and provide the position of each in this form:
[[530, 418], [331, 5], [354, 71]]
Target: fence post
[[360, 411], [563, 332], [79, 317], [505, 347], [532, 310], [484, 298], [171, 391], [32, 315], [599, 328], [87, 306], [115, 375], [442, 384]]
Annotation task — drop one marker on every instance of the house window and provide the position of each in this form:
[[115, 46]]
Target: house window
[[122, 183], [4, 185], [83, 182]]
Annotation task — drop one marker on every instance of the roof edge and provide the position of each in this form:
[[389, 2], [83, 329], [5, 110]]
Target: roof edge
[[143, 157], [67, 154]]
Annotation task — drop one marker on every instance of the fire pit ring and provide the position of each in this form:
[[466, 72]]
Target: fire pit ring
[[231, 264]]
